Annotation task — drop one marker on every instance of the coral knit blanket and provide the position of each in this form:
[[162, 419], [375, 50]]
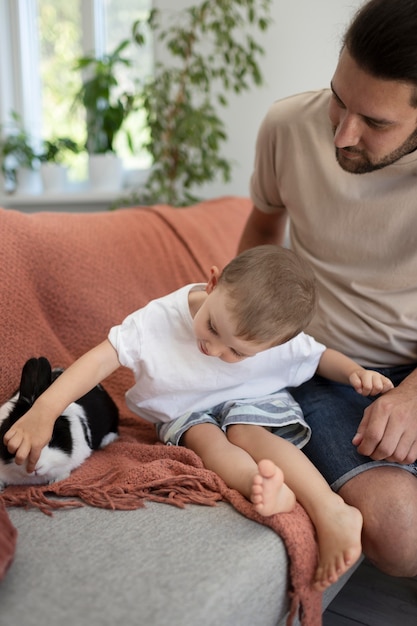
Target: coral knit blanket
[[65, 280]]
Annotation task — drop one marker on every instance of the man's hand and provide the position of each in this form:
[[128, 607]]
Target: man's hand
[[26, 439], [388, 430]]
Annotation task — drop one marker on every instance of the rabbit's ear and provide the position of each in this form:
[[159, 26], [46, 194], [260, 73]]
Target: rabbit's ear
[[36, 377]]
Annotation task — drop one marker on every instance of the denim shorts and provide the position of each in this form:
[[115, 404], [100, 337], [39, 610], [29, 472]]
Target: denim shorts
[[334, 411], [278, 412]]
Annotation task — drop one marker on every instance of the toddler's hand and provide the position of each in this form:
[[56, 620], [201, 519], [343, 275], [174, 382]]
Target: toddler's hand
[[25, 439], [369, 382]]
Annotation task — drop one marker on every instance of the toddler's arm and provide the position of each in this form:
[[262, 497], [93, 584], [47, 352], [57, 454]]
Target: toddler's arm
[[340, 368], [32, 432]]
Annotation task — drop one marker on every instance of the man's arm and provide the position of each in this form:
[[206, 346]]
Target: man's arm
[[263, 228], [388, 429]]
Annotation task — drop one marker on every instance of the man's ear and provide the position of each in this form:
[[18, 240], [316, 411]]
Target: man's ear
[[213, 279]]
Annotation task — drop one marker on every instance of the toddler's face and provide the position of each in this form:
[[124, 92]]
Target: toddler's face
[[214, 329]]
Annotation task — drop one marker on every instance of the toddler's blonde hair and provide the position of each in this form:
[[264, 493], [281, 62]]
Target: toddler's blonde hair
[[270, 292]]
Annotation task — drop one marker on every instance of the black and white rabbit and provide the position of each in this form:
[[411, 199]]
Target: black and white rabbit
[[86, 425]]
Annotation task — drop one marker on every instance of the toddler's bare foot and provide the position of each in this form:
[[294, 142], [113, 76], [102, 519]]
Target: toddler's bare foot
[[269, 493], [339, 536]]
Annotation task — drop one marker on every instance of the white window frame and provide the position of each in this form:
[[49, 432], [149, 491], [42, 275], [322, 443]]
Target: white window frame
[[20, 85]]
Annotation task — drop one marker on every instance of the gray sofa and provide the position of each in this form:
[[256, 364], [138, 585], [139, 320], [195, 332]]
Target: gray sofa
[[158, 565]]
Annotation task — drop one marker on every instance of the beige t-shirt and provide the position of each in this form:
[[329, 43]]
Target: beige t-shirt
[[358, 231]]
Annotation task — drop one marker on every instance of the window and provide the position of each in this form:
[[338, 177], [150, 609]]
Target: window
[[39, 42]]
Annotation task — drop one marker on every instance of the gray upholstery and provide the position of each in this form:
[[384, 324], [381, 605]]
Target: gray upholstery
[[157, 566]]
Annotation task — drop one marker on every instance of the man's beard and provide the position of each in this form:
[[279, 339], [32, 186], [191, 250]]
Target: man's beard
[[362, 164]]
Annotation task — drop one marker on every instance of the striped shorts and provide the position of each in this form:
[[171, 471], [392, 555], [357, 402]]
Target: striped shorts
[[278, 412]]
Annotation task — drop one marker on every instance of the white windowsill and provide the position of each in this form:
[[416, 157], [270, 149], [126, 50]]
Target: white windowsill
[[77, 198], [92, 200]]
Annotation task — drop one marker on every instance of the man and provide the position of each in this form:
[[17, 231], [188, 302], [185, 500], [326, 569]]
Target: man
[[342, 164]]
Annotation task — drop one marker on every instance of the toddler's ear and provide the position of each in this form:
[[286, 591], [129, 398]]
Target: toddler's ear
[[213, 278]]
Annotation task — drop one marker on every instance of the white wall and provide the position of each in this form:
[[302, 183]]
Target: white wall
[[301, 49]]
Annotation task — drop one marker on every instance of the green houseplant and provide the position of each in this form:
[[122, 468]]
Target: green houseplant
[[212, 51], [19, 158], [52, 159], [107, 106], [55, 150]]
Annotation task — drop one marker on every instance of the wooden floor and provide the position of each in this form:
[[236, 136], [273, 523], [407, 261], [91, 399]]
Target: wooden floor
[[371, 598]]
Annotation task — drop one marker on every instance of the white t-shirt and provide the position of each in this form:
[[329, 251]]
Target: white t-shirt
[[173, 377], [357, 231]]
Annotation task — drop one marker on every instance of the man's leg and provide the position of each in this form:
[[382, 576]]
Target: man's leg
[[387, 499], [386, 494]]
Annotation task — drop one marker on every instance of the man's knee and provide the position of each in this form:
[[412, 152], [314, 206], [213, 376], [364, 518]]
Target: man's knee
[[391, 545], [387, 499]]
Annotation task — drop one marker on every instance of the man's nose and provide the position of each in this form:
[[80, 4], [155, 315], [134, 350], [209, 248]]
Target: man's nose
[[347, 131]]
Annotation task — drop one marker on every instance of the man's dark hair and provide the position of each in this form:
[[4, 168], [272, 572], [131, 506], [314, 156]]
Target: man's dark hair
[[382, 39]]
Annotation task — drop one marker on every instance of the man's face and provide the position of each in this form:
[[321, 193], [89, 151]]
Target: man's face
[[373, 121]]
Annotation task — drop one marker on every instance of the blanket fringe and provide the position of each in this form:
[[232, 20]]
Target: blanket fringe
[[35, 499], [305, 606], [295, 608], [111, 492]]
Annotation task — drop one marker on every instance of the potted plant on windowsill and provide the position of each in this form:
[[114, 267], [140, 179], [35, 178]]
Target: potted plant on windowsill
[[52, 158], [210, 50], [107, 107], [19, 159]]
